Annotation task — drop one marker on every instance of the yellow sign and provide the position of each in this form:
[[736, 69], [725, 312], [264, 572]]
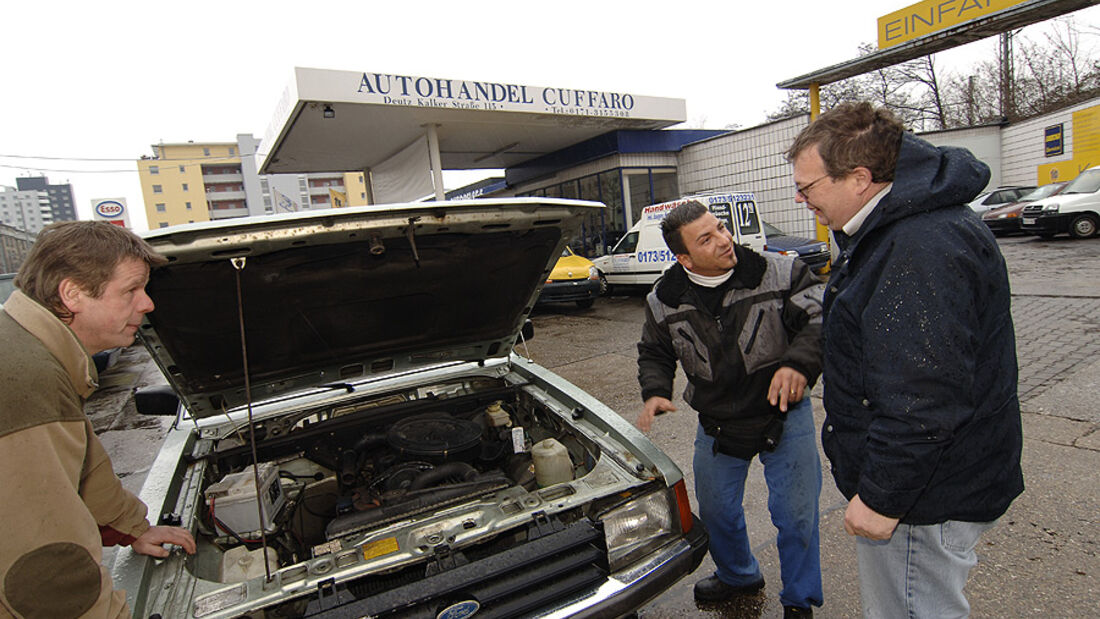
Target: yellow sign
[[1085, 152], [930, 16], [339, 198]]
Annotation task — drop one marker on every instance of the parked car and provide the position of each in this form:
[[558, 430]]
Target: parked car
[[811, 251], [356, 437], [1002, 195], [1006, 219], [1075, 210], [573, 280]]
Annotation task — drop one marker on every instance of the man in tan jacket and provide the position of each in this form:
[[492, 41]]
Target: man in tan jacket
[[80, 291]]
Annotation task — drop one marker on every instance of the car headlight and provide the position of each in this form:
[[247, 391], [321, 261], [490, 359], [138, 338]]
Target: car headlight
[[1050, 208], [593, 273], [638, 527]]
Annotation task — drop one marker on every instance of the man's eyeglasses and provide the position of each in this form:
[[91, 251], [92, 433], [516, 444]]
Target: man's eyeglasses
[[802, 190]]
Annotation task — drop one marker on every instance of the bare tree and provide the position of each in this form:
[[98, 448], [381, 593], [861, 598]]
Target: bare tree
[[1053, 72]]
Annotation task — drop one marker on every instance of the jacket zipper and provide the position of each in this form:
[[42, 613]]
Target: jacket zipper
[[755, 329]]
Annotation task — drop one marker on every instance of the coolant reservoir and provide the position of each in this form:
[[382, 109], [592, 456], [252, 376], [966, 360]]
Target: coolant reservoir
[[498, 417], [240, 564], [552, 463]]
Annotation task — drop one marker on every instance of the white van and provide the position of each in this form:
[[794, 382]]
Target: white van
[[640, 257], [1075, 209]]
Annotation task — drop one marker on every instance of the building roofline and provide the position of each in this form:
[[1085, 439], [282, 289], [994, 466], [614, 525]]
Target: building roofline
[[1018, 16]]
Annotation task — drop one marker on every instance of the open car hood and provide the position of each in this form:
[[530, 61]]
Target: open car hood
[[340, 295]]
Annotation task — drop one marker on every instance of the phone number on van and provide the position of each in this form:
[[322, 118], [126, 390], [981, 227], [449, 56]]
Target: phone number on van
[[656, 255]]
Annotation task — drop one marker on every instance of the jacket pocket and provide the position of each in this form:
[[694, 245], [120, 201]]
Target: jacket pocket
[[763, 338], [690, 350]]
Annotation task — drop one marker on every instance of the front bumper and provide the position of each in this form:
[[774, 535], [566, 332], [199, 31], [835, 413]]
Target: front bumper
[[817, 262], [569, 290], [553, 577], [1045, 223], [1005, 225]]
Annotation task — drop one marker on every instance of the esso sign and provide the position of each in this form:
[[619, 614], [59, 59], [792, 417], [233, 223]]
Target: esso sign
[[109, 209]]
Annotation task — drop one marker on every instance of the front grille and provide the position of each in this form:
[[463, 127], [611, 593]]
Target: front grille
[[555, 564], [1033, 210]]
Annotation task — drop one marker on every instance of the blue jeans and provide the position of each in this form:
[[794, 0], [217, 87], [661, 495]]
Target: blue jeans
[[920, 571], [793, 474]]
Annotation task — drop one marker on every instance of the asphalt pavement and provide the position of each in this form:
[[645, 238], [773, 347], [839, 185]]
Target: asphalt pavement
[[1041, 560]]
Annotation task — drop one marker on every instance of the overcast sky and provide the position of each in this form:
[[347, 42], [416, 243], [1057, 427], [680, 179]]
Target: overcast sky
[[86, 83]]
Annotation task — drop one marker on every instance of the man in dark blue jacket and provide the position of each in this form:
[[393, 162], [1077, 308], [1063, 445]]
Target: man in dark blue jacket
[[922, 421]]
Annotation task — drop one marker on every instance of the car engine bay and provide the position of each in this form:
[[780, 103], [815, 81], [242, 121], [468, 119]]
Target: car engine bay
[[330, 476]]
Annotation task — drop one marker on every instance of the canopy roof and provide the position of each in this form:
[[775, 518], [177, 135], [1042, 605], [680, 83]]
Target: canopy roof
[[350, 120]]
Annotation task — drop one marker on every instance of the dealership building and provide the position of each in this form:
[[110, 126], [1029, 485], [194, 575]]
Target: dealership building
[[622, 149]]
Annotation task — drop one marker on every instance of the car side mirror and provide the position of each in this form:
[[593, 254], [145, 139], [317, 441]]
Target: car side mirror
[[157, 401]]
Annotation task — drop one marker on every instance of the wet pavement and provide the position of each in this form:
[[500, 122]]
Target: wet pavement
[[1040, 560]]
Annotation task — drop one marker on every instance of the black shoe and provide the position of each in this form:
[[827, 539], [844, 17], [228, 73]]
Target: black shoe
[[797, 612], [713, 590]]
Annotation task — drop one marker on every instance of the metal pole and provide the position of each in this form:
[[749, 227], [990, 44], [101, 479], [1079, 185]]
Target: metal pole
[[436, 162], [822, 232]]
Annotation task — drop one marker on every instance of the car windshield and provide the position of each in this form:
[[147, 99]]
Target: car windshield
[[1087, 182], [770, 230], [1040, 192], [627, 245]]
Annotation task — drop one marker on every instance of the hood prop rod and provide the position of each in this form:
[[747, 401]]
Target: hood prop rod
[[238, 266], [410, 234]]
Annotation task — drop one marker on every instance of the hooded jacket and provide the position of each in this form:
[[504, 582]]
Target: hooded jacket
[[922, 419], [769, 317], [60, 500]]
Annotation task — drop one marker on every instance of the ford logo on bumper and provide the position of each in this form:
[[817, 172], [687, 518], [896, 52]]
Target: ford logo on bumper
[[461, 610]]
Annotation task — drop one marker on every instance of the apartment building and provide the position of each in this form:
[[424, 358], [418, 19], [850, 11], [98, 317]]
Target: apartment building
[[26, 209], [15, 244], [60, 195], [191, 182]]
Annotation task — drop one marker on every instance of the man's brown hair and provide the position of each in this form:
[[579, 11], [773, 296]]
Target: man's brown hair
[[853, 135], [86, 252]]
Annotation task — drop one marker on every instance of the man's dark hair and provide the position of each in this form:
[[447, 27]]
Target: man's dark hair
[[679, 217], [86, 252], [852, 135]]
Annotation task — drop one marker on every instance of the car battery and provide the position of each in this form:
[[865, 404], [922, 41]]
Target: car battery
[[233, 500]]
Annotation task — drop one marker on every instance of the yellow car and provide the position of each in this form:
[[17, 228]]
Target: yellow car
[[574, 279]]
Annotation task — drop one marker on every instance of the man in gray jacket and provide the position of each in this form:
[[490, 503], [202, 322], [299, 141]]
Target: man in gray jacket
[[746, 329]]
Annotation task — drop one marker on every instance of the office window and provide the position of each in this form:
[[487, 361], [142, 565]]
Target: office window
[[183, 169], [185, 186], [160, 207], [157, 189], [205, 152], [154, 169], [163, 224], [188, 206]]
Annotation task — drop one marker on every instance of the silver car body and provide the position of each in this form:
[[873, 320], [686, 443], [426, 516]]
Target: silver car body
[[611, 534]]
